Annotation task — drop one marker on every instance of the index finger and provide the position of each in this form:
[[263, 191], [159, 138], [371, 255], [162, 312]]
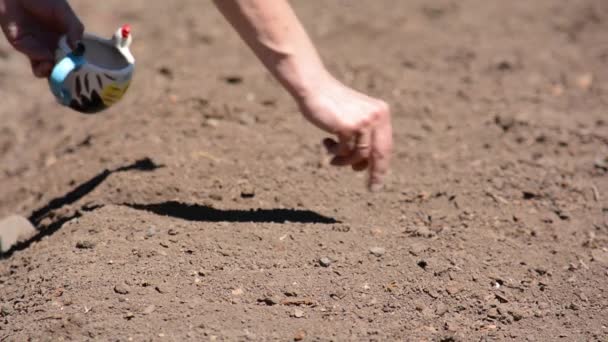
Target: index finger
[[382, 145]]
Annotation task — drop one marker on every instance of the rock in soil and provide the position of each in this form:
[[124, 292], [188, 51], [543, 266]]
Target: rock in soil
[[272, 300], [14, 229], [299, 336], [85, 244], [377, 251], [149, 309], [121, 289], [298, 313], [325, 262], [6, 310]]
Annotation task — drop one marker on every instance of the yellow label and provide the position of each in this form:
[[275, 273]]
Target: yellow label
[[112, 93]]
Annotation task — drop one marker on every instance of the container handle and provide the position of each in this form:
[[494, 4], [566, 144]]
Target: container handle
[[71, 62]]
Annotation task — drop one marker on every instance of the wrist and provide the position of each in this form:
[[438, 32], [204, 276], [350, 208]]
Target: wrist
[[301, 76]]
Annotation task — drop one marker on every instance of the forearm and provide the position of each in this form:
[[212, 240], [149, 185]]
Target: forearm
[[274, 33]]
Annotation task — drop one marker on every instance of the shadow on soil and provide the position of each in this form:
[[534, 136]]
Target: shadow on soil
[[71, 197], [194, 212]]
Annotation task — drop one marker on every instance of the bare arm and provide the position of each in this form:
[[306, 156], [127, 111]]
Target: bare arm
[[274, 33], [361, 123]]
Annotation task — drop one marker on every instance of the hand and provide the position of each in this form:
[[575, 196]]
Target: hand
[[34, 27], [362, 125]]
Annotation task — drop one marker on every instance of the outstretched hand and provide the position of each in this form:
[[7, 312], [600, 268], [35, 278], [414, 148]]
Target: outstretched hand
[[33, 27], [362, 125]]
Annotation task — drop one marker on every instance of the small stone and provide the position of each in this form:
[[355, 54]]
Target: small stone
[[151, 232], [585, 81], [417, 249], [422, 263], [421, 231], [237, 292], [574, 307], [122, 289], [600, 256], [453, 290], [441, 309], [270, 301], [325, 262], [504, 122], [516, 314], [149, 309], [14, 229], [173, 232], [160, 289], [211, 122], [246, 119], [300, 335], [85, 244], [6, 310], [129, 316], [601, 164], [216, 196], [377, 251], [493, 313], [290, 293], [298, 313], [247, 191]]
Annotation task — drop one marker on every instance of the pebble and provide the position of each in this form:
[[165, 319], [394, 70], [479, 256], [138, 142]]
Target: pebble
[[574, 307], [6, 310], [151, 232], [377, 251], [129, 315], [441, 309], [247, 119], [325, 262], [516, 314], [211, 122], [216, 196], [85, 244], [298, 313], [149, 309], [299, 336], [270, 301], [121, 289], [493, 313], [14, 229], [247, 191], [422, 263], [600, 256]]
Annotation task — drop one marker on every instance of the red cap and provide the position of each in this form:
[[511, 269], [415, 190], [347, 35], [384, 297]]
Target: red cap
[[126, 30]]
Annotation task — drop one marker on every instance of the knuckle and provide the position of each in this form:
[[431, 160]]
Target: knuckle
[[348, 128], [12, 33]]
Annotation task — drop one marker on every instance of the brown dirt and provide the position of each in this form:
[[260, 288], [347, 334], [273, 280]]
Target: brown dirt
[[494, 224]]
